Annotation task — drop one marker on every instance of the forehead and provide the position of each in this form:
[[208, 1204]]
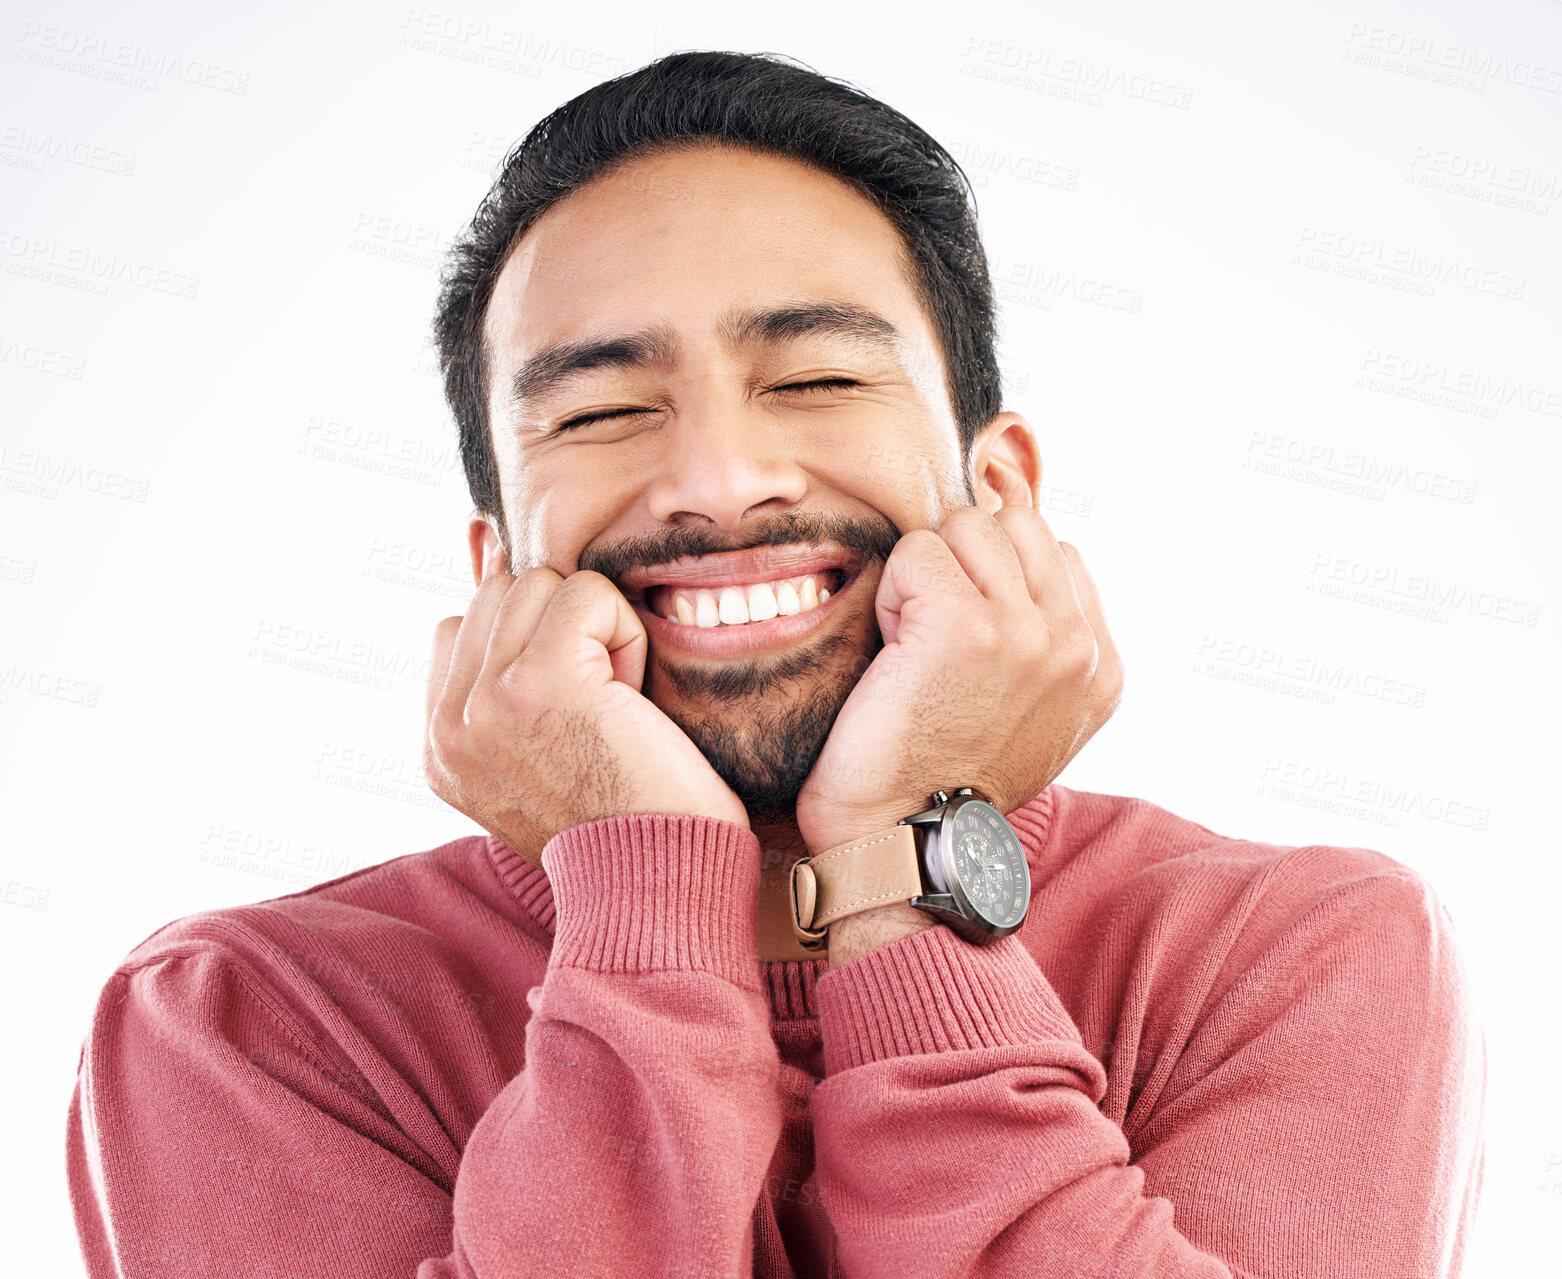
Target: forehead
[[683, 238]]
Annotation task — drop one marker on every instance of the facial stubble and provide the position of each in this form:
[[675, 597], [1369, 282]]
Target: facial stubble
[[768, 717]]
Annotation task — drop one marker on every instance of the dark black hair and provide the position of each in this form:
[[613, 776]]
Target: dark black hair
[[759, 101]]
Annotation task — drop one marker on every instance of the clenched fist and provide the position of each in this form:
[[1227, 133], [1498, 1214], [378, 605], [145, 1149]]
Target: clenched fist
[[997, 668], [536, 721]]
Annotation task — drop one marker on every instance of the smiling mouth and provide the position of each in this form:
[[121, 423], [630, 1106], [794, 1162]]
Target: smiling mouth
[[710, 607]]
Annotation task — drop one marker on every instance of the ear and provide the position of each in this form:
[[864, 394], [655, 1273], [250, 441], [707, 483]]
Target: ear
[[487, 550], [1006, 463]]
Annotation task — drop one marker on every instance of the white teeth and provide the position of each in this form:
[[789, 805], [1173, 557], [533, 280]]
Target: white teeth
[[732, 607], [761, 602], [739, 605]]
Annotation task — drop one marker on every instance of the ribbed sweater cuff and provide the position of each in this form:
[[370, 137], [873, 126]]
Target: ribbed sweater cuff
[[649, 891], [935, 992]]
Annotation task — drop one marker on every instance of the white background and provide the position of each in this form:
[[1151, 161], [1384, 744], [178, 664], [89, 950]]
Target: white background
[[1280, 295]]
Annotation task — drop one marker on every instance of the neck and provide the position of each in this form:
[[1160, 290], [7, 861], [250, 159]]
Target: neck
[[780, 845]]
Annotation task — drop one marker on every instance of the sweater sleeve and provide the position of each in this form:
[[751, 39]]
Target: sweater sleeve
[[1322, 1118], [209, 1137]]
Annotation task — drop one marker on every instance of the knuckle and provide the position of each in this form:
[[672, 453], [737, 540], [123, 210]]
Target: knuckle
[[1110, 677], [1012, 518], [962, 515], [1020, 512], [586, 581], [440, 779], [578, 594], [1111, 698], [921, 556], [536, 583], [1076, 652], [917, 541], [522, 677], [1087, 655], [983, 633], [462, 673], [974, 522], [482, 713], [493, 584], [439, 759], [443, 728]]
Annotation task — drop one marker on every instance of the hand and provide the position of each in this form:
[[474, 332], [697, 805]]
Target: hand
[[996, 669], [536, 722]]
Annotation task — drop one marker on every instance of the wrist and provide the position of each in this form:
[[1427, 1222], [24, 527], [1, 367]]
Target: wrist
[[958, 860], [856, 935], [842, 827]]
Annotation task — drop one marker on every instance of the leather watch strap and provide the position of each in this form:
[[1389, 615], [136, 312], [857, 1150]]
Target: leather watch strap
[[851, 877]]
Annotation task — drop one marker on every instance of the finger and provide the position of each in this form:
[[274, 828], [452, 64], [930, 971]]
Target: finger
[[1109, 666], [985, 553], [590, 630], [1041, 558], [444, 644], [466, 657], [516, 620], [1054, 586], [919, 565]]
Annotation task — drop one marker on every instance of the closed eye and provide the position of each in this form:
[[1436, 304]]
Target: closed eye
[[819, 384], [603, 415]]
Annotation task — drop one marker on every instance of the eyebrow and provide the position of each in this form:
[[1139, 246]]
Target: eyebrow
[[554, 367]]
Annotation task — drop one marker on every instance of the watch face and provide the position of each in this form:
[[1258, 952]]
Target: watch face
[[988, 864]]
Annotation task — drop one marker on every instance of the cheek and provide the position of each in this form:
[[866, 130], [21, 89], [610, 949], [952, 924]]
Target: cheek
[[554, 517], [900, 475]]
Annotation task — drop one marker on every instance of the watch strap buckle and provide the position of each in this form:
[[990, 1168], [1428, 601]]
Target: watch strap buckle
[[803, 888], [876, 870]]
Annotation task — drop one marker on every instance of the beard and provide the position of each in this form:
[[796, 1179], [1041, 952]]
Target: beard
[[762, 721], [775, 714]]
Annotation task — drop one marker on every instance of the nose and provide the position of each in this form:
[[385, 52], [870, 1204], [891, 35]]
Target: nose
[[723, 460]]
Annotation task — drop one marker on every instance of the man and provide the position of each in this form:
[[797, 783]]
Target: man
[[760, 571]]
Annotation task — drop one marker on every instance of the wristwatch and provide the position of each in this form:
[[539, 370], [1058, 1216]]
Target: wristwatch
[[959, 860]]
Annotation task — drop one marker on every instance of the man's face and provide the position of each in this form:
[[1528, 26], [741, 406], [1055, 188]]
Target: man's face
[[678, 302]]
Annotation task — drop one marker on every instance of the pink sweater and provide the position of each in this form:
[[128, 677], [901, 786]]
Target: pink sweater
[[1201, 1056]]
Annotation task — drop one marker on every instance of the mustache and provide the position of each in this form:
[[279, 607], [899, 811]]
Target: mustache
[[875, 538]]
